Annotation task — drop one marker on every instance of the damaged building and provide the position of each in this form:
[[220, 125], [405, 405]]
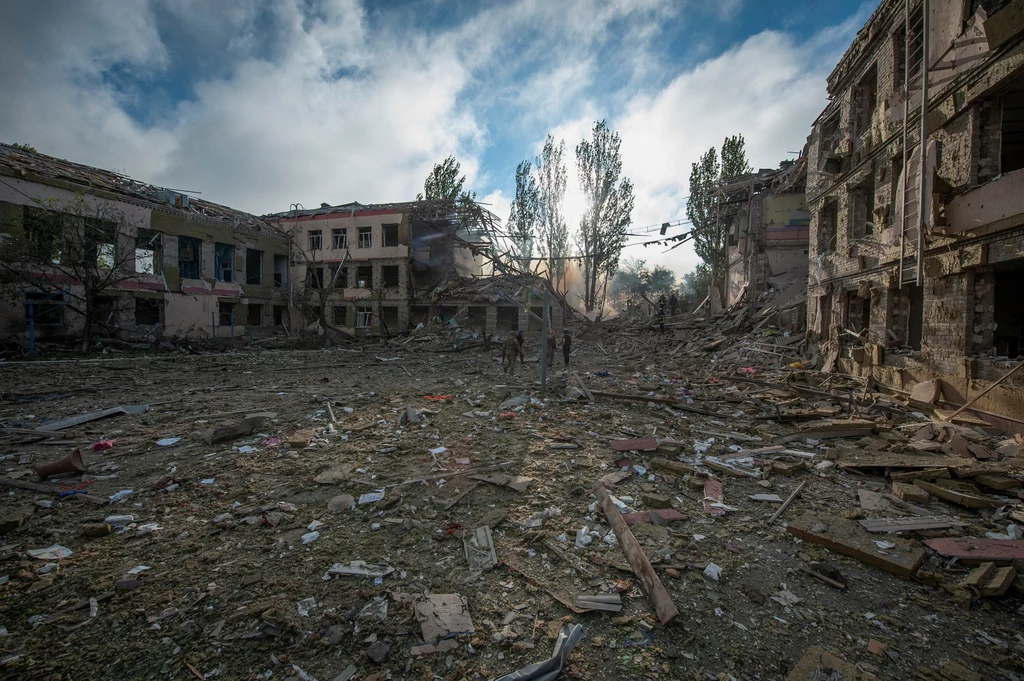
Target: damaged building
[[914, 275], [767, 239], [182, 266], [386, 268]]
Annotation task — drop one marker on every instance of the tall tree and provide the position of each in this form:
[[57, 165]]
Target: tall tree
[[444, 182], [524, 216], [553, 243], [608, 211], [75, 253], [709, 217]]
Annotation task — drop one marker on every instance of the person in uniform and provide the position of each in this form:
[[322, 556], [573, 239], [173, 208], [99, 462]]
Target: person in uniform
[[552, 347], [566, 345], [509, 349], [661, 314]]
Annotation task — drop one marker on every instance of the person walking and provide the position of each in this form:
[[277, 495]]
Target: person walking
[[566, 345], [673, 304]]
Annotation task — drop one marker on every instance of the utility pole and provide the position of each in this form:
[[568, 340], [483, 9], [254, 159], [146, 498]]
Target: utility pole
[[544, 346]]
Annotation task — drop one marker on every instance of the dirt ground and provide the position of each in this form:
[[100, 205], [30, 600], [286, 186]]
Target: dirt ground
[[222, 574]]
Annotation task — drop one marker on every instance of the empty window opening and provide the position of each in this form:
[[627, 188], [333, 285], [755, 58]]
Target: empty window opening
[[147, 252], [105, 310], [253, 267], [315, 277], [419, 314], [339, 239], [899, 56], [534, 323], [389, 318], [316, 240], [862, 208], [339, 276], [279, 312], [1008, 315], [858, 315], [389, 275], [508, 318], [100, 242], [189, 251], [364, 276], [224, 262], [255, 314], [1011, 153], [365, 237], [828, 227], [476, 318], [280, 270], [915, 327], [865, 99], [226, 313], [340, 315], [46, 308], [390, 235], [363, 317], [149, 311], [43, 230]]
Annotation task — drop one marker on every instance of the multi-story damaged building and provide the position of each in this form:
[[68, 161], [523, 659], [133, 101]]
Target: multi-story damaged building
[[384, 268], [919, 275], [767, 239], [173, 265]]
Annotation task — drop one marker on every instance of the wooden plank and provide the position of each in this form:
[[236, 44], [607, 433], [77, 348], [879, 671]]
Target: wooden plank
[[977, 549], [642, 444], [909, 524], [958, 497], [655, 590], [787, 502], [671, 466], [846, 537]]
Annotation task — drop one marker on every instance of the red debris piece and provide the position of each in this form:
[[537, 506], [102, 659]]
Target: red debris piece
[[103, 444], [713, 494], [974, 548], [643, 444]]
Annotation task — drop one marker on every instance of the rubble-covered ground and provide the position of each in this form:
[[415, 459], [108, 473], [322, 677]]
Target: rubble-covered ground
[[222, 569]]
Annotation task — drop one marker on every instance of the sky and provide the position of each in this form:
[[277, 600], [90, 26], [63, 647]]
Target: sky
[[259, 104]]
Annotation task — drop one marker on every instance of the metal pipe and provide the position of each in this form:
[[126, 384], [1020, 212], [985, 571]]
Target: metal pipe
[[924, 141]]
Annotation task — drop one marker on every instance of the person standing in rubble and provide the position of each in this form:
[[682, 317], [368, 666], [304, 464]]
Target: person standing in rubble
[[509, 349], [673, 304], [566, 345], [520, 338], [661, 314], [552, 347]]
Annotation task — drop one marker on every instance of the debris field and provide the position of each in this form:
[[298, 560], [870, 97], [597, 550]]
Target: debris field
[[408, 511]]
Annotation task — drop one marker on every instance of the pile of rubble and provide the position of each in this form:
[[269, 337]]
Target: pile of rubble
[[661, 509]]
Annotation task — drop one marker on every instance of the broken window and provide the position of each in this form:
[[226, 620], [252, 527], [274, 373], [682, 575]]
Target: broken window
[[147, 252], [255, 314], [364, 277], [858, 314], [253, 267], [149, 311], [104, 310], [279, 311], [828, 227], [339, 275], [390, 233], [227, 313], [363, 317], [339, 239], [899, 56], [101, 242], [340, 315], [224, 262], [389, 317], [508, 318], [865, 99], [862, 209], [46, 308], [43, 233], [476, 318], [419, 314], [389, 273], [316, 240], [365, 237], [189, 250], [280, 270], [315, 277], [1008, 313], [1011, 152]]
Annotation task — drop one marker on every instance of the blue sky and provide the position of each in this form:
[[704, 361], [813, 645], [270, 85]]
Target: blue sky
[[259, 104]]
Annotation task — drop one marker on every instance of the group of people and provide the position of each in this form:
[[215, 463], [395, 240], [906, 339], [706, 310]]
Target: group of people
[[513, 348]]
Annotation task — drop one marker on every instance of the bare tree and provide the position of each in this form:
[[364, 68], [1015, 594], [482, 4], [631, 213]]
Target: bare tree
[[74, 252], [553, 242], [609, 196], [313, 294]]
